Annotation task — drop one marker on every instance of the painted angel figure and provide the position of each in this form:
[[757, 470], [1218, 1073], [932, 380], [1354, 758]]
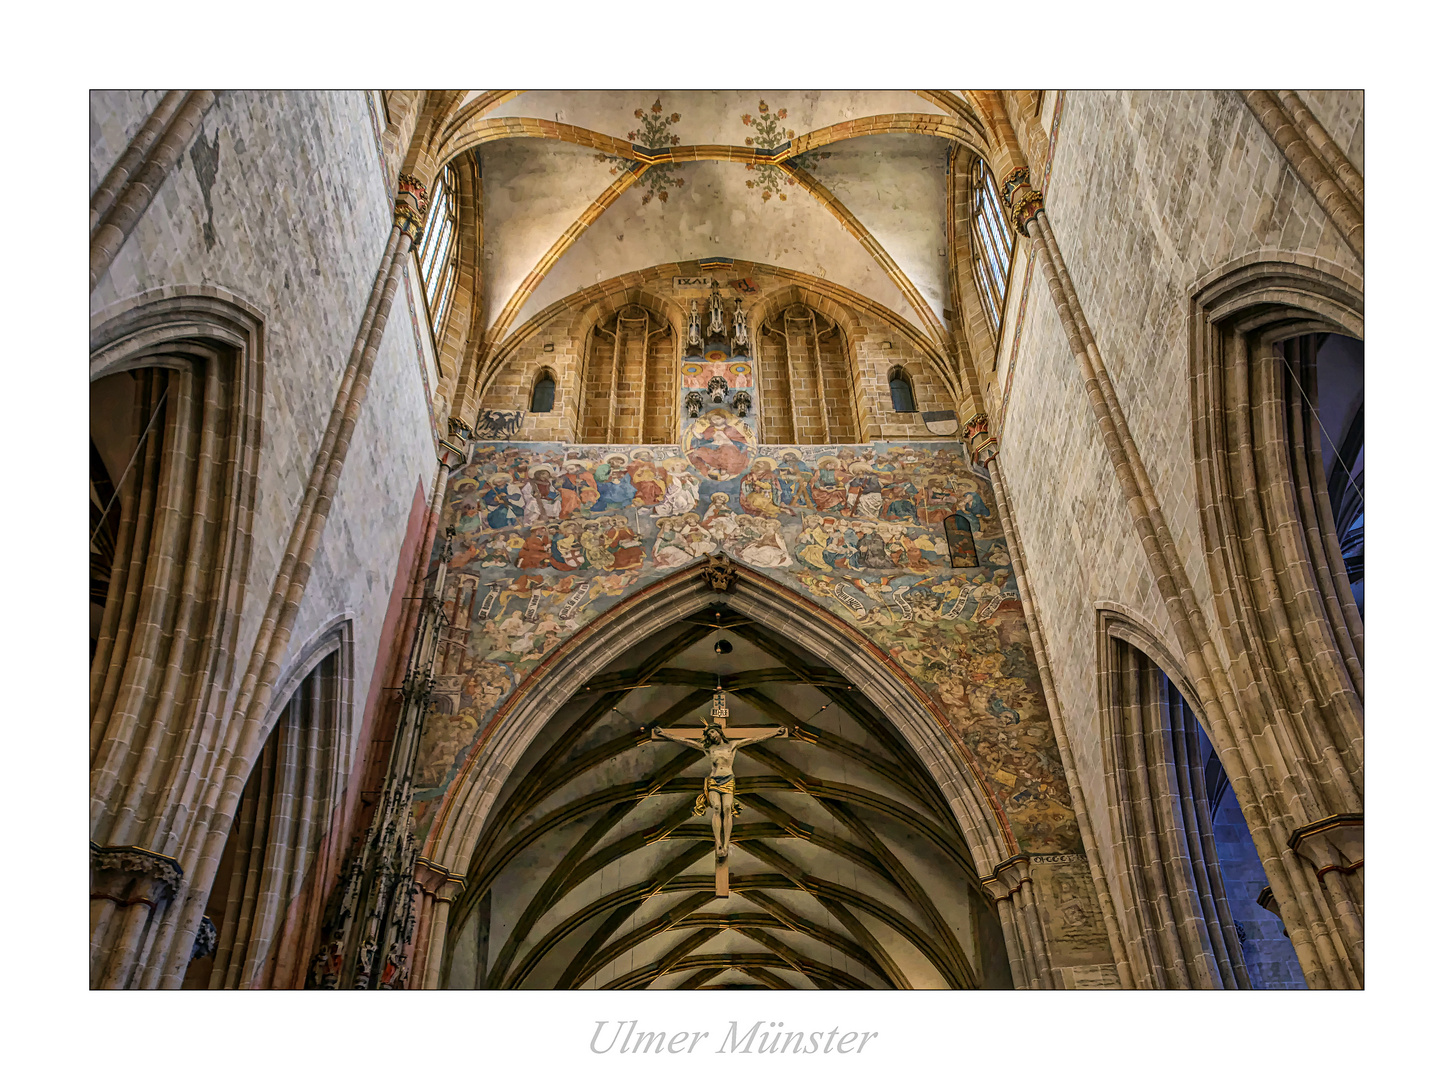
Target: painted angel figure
[[720, 787]]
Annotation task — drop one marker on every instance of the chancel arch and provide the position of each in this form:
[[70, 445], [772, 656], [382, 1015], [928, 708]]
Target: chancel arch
[[858, 792]]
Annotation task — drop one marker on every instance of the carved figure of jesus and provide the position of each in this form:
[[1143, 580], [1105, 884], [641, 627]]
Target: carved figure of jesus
[[720, 786]]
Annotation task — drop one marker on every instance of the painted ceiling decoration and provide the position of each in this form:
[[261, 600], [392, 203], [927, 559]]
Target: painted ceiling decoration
[[847, 188]]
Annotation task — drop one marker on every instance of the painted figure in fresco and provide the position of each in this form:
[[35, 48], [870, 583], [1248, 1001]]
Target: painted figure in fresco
[[536, 550], [838, 552], [990, 595], [565, 549], [901, 501], [719, 520], [682, 489], [872, 551], [830, 484], [647, 478], [812, 540], [613, 483], [765, 544], [697, 540], [670, 549], [496, 553], [792, 483], [577, 487], [865, 490], [758, 492], [542, 500], [598, 556], [502, 502], [624, 545], [469, 521], [719, 445]]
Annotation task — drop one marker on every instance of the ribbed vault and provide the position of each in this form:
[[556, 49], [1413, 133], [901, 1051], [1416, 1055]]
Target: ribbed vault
[[848, 869]]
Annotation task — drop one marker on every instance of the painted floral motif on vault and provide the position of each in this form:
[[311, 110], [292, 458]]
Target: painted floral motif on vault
[[551, 535], [654, 134], [771, 134]]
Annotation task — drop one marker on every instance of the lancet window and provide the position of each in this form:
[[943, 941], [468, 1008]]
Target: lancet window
[[438, 251], [990, 243]]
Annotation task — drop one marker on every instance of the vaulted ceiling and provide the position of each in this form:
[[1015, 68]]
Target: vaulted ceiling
[[580, 187], [847, 867]]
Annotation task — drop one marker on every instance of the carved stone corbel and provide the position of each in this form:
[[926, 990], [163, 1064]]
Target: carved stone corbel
[[133, 875], [720, 573]]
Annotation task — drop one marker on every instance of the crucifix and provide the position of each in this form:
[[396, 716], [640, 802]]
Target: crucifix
[[719, 744]]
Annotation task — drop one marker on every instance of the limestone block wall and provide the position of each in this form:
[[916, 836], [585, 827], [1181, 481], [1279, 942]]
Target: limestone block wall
[[510, 390], [874, 361], [283, 202], [1151, 191]]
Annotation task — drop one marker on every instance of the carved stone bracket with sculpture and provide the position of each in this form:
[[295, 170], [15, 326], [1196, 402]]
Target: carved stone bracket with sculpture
[[133, 875], [981, 445], [720, 573], [1021, 200], [411, 208]]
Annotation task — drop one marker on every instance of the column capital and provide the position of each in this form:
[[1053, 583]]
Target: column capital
[[438, 881], [1021, 200], [411, 206], [1008, 877], [1330, 843]]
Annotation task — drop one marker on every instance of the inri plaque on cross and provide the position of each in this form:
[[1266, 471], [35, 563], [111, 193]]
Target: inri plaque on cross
[[719, 744]]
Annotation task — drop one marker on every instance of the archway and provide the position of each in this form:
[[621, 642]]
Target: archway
[[848, 868]]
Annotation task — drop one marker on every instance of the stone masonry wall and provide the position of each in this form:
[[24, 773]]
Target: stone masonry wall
[[299, 211], [1150, 192]]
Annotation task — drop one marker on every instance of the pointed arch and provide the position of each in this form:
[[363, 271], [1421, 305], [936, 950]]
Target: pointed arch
[[519, 719]]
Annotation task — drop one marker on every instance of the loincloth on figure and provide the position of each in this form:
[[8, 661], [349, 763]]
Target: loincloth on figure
[[723, 785]]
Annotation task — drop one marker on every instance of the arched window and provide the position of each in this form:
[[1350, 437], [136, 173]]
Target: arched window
[[990, 242], [901, 390], [542, 398], [437, 250]]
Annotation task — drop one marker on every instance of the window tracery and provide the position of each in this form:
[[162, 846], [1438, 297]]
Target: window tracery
[[438, 251], [990, 243]]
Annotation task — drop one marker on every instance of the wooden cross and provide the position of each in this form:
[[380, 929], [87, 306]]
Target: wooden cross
[[721, 755]]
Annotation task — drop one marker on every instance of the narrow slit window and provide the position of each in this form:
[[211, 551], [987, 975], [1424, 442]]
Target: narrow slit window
[[542, 398], [901, 391]]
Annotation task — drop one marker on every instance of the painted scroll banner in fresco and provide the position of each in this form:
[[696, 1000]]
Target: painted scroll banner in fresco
[[557, 534]]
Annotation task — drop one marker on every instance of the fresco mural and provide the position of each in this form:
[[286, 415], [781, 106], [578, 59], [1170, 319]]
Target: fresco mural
[[551, 535]]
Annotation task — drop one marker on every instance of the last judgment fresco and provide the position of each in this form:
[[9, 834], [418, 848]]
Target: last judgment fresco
[[896, 538]]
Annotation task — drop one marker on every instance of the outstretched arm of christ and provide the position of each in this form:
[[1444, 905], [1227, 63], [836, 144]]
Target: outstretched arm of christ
[[737, 744], [685, 740]]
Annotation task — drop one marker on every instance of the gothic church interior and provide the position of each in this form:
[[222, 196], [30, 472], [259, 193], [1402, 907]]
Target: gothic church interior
[[726, 539]]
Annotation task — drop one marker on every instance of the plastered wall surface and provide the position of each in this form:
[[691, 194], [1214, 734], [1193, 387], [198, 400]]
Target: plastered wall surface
[[1151, 191], [281, 201]]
